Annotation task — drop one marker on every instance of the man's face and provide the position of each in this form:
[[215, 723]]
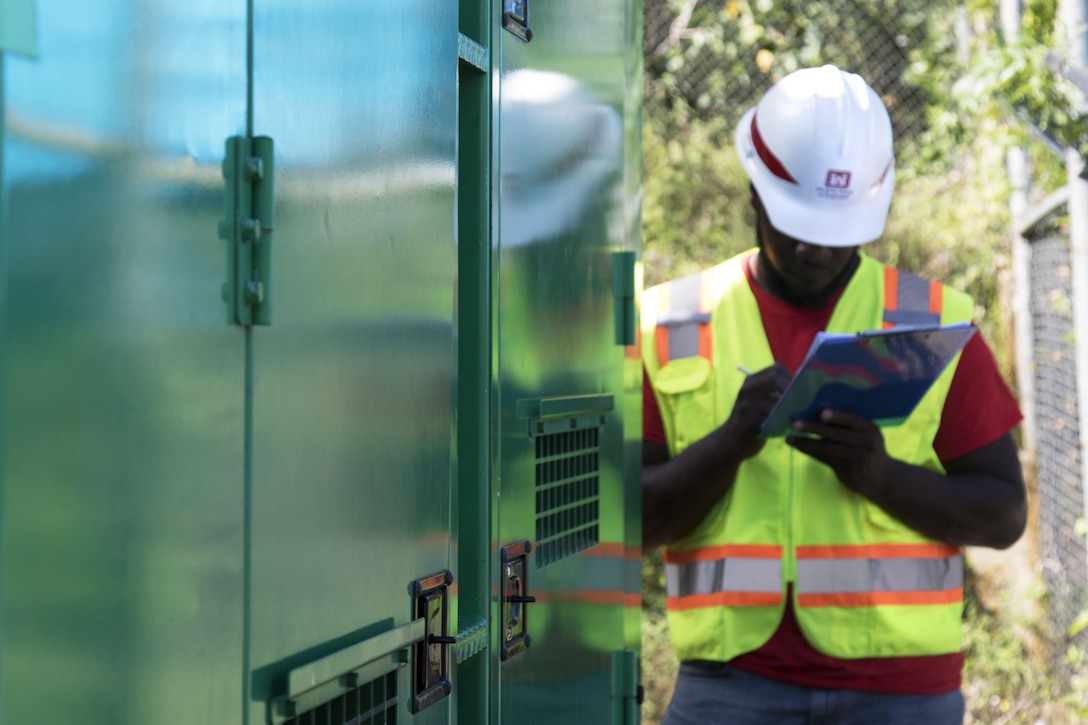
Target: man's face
[[799, 272]]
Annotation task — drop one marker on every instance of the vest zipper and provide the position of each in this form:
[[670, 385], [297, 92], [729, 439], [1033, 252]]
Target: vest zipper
[[789, 558]]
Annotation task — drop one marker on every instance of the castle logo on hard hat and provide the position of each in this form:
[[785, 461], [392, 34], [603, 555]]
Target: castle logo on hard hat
[[837, 179], [836, 186]]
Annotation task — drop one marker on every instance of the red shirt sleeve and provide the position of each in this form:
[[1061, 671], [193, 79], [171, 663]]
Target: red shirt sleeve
[[653, 429], [979, 408]]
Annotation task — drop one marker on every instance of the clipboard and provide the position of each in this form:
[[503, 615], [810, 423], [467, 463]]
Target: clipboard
[[879, 374]]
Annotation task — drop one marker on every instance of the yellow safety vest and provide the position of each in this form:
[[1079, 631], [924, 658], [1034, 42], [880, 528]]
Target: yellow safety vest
[[864, 584]]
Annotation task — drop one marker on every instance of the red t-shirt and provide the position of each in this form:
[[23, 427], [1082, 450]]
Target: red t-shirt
[[979, 409]]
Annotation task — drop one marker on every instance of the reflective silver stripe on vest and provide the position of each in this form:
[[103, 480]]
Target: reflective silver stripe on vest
[[735, 574], [912, 302], [683, 340], [684, 317], [851, 576]]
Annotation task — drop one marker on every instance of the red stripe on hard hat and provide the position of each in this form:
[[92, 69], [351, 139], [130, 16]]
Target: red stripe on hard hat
[[769, 159]]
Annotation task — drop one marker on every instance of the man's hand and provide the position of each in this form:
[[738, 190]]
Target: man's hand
[[755, 400], [852, 446]]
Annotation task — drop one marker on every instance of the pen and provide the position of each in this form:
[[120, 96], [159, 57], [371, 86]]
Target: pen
[[744, 370]]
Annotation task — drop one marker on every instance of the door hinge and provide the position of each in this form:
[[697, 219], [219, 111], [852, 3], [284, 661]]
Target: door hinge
[[626, 691], [248, 220], [623, 293]]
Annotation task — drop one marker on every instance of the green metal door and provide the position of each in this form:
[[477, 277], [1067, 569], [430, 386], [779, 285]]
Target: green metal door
[[204, 520], [567, 536], [122, 415], [352, 381]]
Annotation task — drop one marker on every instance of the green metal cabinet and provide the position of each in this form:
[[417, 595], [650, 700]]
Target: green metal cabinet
[[565, 231], [319, 401]]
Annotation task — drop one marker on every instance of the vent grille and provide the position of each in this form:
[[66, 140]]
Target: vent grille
[[374, 703], [567, 493]]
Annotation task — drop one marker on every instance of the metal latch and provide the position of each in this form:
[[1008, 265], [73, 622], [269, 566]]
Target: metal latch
[[249, 217], [431, 666], [515, 595], [515, 18]]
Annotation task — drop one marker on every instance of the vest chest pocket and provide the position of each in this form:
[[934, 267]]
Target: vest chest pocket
[[686, 392]]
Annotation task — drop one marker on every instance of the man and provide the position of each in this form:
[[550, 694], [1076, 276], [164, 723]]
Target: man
[[816, 578]]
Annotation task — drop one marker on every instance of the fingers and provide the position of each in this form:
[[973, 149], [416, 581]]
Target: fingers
[[768, 382], [755, 400], [844, 459], [830, 453], [849, 444], [836, 425]]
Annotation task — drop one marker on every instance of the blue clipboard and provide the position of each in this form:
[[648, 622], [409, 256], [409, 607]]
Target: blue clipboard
[[880, 374]]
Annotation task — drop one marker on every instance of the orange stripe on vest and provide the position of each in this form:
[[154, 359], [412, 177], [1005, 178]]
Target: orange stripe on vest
[[723, 599], [875, 599], [891, 293], [725, 551], [878, 551]]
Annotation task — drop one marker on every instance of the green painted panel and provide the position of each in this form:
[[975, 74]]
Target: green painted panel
[[564, 207], [474, 495], [122, 407], [354, 378], [17, 27]]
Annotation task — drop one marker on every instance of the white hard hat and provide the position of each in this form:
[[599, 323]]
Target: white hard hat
[[818, 149]]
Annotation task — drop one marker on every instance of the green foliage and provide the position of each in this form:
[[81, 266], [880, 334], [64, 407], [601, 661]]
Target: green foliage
[[1080, 623], [1005, 682], [1006, 94], [1018, 77], [1038, 20], [659, 663], [695, 212]]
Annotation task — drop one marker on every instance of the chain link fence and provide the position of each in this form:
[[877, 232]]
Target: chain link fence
[[715, 66], [1063, 554]]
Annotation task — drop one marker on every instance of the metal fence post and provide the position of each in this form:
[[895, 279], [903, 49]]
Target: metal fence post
[[1016, 163]]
